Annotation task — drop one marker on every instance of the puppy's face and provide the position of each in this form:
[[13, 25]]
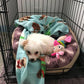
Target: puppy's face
[[32, 49]]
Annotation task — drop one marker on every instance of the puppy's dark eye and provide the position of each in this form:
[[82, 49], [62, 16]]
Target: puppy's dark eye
[[36, 52], [28, 52]]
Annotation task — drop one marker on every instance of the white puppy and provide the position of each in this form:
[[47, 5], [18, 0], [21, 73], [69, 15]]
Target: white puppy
[[37, 44]]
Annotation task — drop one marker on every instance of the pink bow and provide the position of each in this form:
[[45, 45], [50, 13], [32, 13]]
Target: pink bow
[[58, 54], [68, 39]]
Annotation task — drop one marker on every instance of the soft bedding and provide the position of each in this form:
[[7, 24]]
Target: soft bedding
[[53, 26]]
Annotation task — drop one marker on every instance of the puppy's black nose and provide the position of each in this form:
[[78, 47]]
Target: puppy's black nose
[[32, 60]]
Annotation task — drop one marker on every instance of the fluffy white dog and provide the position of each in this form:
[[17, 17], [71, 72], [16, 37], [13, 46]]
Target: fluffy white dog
[[37, 44]]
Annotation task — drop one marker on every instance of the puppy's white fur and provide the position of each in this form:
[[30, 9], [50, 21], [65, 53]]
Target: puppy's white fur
[[43, 44]]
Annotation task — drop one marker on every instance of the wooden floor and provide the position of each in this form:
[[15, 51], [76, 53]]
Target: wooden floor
[[65, 81], [59, 81]]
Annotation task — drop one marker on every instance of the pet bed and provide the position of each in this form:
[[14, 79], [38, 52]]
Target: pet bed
[[67, 61]]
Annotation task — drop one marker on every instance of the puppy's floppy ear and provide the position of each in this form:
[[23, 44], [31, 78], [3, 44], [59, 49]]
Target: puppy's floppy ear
[[23, 43]]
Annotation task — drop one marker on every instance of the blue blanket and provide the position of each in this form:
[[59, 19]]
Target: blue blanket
[[26, 71]]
